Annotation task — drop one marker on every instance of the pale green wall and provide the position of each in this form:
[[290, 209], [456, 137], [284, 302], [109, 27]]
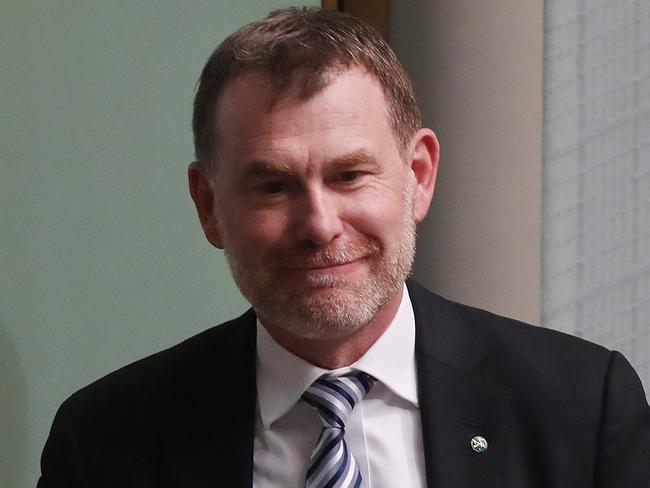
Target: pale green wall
[[102, 260]]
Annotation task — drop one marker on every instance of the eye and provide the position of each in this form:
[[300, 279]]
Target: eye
[[349, 176], [274, 187]]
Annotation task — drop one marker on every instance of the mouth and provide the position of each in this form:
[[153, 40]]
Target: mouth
[[323, 265], [329, 266]]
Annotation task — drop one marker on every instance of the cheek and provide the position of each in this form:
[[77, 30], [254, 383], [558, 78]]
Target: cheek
[[382, 218], [254, 233]]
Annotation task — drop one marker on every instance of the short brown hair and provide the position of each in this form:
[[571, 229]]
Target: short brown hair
[[302, 45]]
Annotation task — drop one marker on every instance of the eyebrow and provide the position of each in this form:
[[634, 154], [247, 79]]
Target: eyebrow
[[258, 169], [360, 157]]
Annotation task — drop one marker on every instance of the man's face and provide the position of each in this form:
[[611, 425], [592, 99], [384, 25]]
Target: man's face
[[313, 203]]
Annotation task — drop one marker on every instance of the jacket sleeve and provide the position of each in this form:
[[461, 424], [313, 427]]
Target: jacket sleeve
[[624, 439]]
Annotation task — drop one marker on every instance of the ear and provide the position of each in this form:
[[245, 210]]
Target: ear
[[202, 190], [425, 153]]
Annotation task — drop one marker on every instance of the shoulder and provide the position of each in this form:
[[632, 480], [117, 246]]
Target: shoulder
[[524, 342], [522, 353], [167, 375], [117, 430]]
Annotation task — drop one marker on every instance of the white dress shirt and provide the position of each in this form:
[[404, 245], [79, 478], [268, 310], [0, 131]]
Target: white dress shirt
[[383, 431]]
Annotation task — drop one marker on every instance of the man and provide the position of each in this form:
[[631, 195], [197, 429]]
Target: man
[[312, 174]]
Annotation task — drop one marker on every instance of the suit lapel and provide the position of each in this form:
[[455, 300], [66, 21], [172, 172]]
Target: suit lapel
[[460, 397], [211, 443]]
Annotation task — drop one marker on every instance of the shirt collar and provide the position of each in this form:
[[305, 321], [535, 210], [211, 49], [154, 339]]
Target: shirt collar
[[390, 360]]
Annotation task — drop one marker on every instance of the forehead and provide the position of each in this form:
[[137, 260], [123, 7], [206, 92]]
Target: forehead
[[258, 86], [251, 112]]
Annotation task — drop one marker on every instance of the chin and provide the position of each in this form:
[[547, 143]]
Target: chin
[[336, 310]]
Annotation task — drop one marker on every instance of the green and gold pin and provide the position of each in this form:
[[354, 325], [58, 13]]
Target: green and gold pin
[[478, 444]]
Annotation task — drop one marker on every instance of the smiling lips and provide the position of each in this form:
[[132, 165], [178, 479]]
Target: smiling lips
[[321, 274], [330, 259], [323, 266]]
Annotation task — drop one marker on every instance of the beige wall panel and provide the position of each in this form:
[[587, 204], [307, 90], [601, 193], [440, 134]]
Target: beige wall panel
[[477, 69]]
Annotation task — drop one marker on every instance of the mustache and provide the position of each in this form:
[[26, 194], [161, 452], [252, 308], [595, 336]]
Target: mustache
[[329, 256]]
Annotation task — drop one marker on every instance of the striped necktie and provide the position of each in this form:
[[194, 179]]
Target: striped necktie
[[331, 463]]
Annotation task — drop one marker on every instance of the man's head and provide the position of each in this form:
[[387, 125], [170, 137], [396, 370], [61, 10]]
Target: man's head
[[302, 50], [315, 194]]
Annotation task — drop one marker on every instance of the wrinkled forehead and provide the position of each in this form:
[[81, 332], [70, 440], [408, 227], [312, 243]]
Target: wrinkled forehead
[[257, 92], [255, 119]]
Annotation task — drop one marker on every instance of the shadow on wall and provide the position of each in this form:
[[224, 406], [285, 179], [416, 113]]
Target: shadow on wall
[[13, 414]]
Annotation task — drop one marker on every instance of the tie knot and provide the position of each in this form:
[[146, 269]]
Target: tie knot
[[335, 396]]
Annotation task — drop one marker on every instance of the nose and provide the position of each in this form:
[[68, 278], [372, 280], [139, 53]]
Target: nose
[[318, 220]]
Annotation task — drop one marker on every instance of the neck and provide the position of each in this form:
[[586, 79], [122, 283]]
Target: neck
[[333, 353]]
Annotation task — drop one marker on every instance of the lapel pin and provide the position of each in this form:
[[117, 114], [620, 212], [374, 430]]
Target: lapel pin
[[478, 444]]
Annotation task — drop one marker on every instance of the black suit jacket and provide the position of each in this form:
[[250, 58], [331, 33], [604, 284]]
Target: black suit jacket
[[557, 412]]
